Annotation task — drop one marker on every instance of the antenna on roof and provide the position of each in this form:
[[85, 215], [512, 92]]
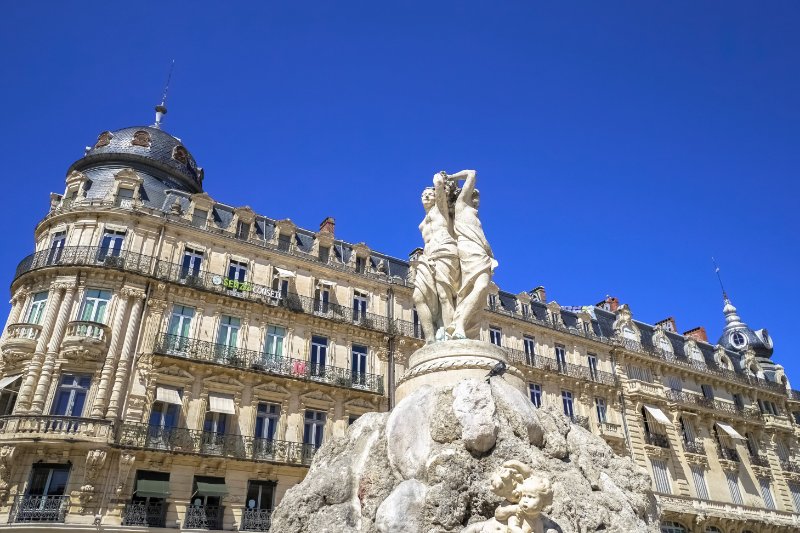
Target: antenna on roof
[[719, 277], [161, 109]]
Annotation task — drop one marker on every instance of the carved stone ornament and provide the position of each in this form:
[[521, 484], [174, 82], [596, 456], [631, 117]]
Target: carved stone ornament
[[180, 154], [126, 461], [104, 139], [6, 461], [526, 496], [94, 463], [141, 138]]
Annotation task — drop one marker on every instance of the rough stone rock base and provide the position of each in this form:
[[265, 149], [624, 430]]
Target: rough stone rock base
[[425, 467]]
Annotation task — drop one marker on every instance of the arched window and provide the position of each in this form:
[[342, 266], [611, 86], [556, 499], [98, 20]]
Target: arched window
[[141, 138], [695, 354], [664, 344], [672, 527], [724, 362]]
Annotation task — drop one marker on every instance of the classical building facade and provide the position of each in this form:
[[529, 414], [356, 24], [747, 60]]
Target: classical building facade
[[172, 361]]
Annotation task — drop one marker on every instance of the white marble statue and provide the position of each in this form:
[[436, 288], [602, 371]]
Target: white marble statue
[[437, 276]]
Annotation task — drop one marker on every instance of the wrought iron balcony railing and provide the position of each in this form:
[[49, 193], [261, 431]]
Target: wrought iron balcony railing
[[152, 514], [44, 427], [713, 404], [407, 329], [256, 519], [183, 440], [656, 439], [585, 373], [759, 460], [195, 349], [729, 453], [87, 255], [790, 466], [204, 517], [794, 394], [694, 446], [31, 508]]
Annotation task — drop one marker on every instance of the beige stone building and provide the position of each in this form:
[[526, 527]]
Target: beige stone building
[[174, 362]]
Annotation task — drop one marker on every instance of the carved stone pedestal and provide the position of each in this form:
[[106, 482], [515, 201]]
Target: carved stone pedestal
[[448, 362]]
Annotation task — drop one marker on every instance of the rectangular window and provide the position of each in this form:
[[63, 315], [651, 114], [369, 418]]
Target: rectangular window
[[199, 218], [782, 449], [324, 254], [492, 299], [322, 298], [639, 373], [526, 310], [708, 391], [57, 243], [228, 334], [164, 415], [319, 355], [733, 486], [561, 356], [71, 395], [273, 343], [359, 364], [601, 407], [529, 346], [192, 261], [180, 323], [48, 480], [698, 475], [36, 308], [280, 285], [284, 242], [794, 490], [495, 336], [766, 493], [675, 383], [8, 395], [737, 400], [592, 360], [95, 305], [566, 399], [314, 428], [215, 422], [267, 417], [237, 272], [661, 476], [242, 230], [124, 197], [360, 265], [535, 390], [752, 444], [359, 306], [687, 427], [111, 244], [260, 497]]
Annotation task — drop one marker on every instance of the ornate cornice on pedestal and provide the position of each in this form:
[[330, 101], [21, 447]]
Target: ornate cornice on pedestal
[[126, 461], [729, 466], [656, 451], [696, 459]]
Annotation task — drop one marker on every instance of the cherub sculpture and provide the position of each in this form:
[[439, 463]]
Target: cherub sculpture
[[526, 496]]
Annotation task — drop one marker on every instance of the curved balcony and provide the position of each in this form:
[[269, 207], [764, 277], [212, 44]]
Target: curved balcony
[[54, 428], [183, 440], [87, 338], [187, 348], [21, 338]]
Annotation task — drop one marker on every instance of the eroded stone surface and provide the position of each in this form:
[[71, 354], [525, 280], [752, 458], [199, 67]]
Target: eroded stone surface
[[415, 460], [474, 408]]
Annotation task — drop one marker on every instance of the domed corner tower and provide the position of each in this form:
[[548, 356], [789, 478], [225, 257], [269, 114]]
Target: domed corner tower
[[755, 346]]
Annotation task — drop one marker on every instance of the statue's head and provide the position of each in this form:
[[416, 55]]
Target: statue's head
[[506, 478], [476, 199], [535, 493], [428, 197]]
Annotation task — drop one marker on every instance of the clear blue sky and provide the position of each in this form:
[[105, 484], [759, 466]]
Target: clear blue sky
[[619, 145]]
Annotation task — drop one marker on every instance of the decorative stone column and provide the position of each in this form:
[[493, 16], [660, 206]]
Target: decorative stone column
[[98, 407], [32, 372], [123, 368], [53, 347], [17, 304]]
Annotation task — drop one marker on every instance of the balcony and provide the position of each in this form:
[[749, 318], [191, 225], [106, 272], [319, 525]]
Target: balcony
[[194, 349], [54, 428], [694, 446], [256, 520], [407, 329], [143, 514], [712, 404], [729, 454], [584, 373], [88, 338], [609, 430], [21, 338], [644, 388], [759, 460], [189, 441], [794, 395], [656, 439], [724, 511], [204, 517], [37, 509], [790, 466]]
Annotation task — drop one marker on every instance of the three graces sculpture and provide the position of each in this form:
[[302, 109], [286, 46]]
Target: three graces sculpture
[[454, 271]]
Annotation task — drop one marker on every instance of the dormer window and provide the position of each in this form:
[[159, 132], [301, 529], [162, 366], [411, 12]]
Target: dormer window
[[104, 139], [141, 138], [324, 254], [492, 299], [242, 230], [525, 310], [738, 339], [180, 154], [360, 265], [124, 198]]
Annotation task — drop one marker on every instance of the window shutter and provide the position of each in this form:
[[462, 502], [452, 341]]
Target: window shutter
[[660, 476], [769, 503], [733, 485], [698, 476]]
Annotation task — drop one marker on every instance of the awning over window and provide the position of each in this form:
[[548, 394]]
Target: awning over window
[[732, 433], [168, 395], [8, 380], [219, 403], [152, 488], [212, 488], [658, 414], [326, 282], [283, 273]]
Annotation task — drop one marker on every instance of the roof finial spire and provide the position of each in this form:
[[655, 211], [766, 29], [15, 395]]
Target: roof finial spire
[[161, 109], [719, 278]]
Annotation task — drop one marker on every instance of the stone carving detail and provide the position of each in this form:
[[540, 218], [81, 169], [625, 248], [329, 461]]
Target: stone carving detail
[[453, 272], [126, 461], [141, 138], [94, 464], [103, 139], [6, 460]]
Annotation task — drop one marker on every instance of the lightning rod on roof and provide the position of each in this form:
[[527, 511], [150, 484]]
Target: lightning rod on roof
[[161, 109], [719, 278]]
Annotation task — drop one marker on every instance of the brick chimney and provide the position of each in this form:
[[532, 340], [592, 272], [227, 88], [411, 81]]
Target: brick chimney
[[668, 324], [327, 225], [611, 303], [539, 294], [698, 334]]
